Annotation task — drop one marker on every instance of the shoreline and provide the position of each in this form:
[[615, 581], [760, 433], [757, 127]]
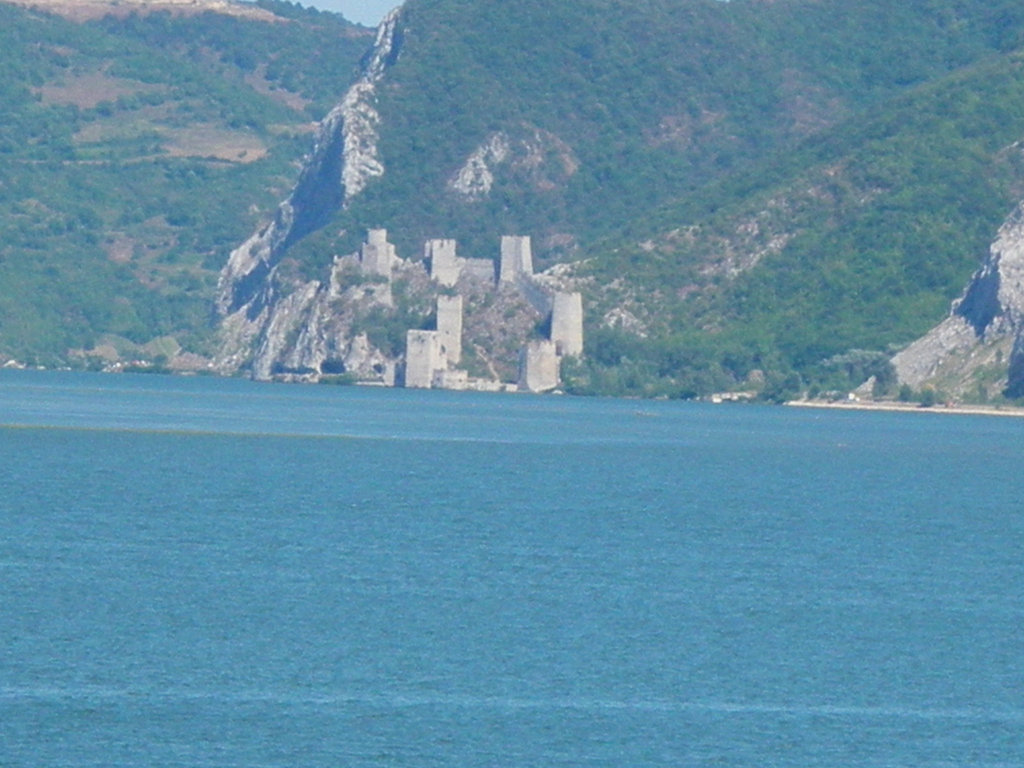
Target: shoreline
[[963, 410]]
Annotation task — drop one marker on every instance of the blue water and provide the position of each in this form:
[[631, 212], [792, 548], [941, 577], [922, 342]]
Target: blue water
[[201, 572]]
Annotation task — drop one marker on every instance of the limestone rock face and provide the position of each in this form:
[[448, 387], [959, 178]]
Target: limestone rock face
[[985, 326], [312, 328], [358, 112], [343, 160]]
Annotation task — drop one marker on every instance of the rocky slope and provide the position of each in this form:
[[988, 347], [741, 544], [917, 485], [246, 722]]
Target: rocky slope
[[343, 159], [979, 349], [276, 324]]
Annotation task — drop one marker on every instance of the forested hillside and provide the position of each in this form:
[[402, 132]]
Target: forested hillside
[[759, 188], [753, 195], [856, 240], [135, 151]]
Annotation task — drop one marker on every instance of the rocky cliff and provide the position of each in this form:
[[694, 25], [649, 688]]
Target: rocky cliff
[[255, 302], [979, 348]]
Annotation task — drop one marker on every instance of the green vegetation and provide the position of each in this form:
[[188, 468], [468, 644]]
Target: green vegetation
[[884, 221], [779, 193], [858, 153], [310, 58], [655, 99], [130, 166]]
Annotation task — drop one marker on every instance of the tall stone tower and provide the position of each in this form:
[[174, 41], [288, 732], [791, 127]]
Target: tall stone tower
[[449, 326], [538, 366], [567, 323], [516, 258], [444, 265], [423, 358], [377, 255]]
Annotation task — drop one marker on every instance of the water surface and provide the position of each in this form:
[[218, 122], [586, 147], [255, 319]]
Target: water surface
[[204, 572]]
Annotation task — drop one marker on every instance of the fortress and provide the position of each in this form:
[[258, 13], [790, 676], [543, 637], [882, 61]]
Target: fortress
[[432, 356]]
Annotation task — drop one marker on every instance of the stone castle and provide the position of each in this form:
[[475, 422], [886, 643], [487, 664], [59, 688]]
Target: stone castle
[[432, 357]]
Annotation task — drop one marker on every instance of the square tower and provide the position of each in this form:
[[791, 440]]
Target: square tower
[[567, 323], [516, 258], [377, 255], [444, 265], [538, 366], [423, 358], [449, 326]]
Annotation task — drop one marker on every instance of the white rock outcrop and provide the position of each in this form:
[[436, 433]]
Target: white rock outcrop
[[542, 157], [475, 178], [344, 159], [358, 113], [986, 319]]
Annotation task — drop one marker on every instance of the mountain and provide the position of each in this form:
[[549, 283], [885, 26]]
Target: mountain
[[767, 196], [140, 141], [750, 195]]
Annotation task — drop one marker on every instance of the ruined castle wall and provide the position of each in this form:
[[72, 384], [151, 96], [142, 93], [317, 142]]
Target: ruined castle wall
[[539, 295], [538, 366], [454, 379], [480, 269], [567, 323], [423, 356], [449, 326]]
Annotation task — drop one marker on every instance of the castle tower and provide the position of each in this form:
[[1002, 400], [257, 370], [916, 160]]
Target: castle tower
[[516, 258], [444, 266], [449, 326], [377, 255], [423, 357], [567, 323], [538, 366]]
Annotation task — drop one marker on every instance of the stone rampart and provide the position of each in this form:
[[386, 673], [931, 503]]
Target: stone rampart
[[453, 379], [480, 269], [541, 297]]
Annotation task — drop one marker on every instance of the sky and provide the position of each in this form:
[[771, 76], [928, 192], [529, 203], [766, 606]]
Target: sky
[[368, 12]]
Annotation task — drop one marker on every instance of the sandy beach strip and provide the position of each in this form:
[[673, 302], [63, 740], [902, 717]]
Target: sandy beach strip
[[861, 405]]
